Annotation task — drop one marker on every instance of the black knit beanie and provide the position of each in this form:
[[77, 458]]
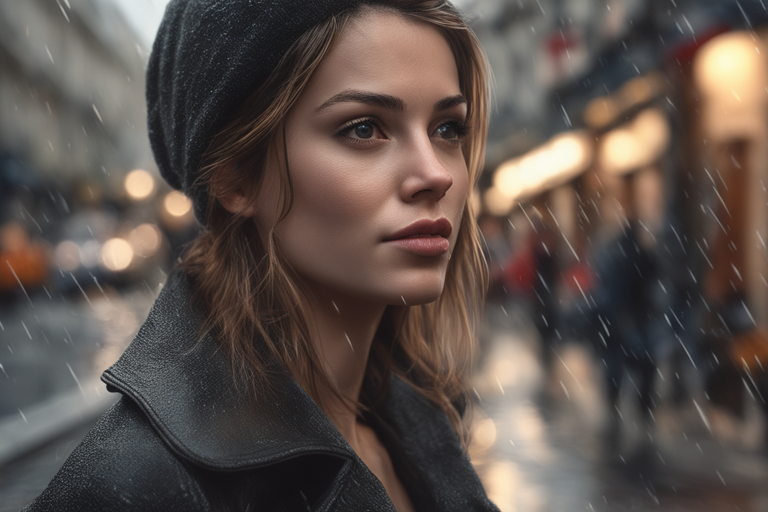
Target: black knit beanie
[[208, 57]]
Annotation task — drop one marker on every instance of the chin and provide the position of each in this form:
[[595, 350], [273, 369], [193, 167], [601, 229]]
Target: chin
[[417, 292]]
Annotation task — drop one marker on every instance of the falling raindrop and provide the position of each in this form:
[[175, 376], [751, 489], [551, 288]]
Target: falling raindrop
[[20, 284], [349, 341]]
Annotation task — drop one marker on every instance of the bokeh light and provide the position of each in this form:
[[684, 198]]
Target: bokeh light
[[562, 158], [145, 240], [116, 254], [497, 202], [89, 253], [731, 69], [637, 144], [67, 255], [139, 184], [177, 204], [484, 435]]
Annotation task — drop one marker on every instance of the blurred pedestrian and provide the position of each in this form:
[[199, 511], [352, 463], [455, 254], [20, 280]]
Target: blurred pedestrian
[[496, 250], [625, 272], [531, 275]]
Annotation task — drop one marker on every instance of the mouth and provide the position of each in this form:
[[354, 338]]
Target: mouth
[[424, 237]]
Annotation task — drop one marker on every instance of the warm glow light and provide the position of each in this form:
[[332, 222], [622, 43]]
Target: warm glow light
[[652, 128], [636, 145], [177, 204], [620, 151], [89, 253], [67, 255], [556, 162], [638, 90], [496, 202], [731, 68], [730, 71], [139, 184], [603, 111], [484, 435], [116, 254], [145, 240], [600, 112]]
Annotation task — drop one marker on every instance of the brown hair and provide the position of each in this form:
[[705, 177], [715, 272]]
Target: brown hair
[[253, 302]]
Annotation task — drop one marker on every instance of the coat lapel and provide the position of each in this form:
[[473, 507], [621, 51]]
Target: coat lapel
[[427, 454], [184, 385], [186, 389]]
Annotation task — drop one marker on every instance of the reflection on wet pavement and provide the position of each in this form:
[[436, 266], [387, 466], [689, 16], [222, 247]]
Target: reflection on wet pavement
[[51, 344], [540, 442], [543, 443]]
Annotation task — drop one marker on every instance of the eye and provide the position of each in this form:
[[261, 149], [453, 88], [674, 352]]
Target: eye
[[362, 131], [452, 131]]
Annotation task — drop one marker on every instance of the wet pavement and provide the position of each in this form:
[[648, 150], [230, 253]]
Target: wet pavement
[[50, 344], [540, 441], [52, 350]]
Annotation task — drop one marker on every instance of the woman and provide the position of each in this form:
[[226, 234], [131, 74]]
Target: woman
[[311, 352]]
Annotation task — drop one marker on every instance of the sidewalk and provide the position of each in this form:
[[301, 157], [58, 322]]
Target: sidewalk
[[535, 456], [532, 457], [52, 352]]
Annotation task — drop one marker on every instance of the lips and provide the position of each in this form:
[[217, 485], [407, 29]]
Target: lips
[[424, 237]]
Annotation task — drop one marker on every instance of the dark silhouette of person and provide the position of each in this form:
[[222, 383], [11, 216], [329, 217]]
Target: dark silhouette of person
[[625, 272]]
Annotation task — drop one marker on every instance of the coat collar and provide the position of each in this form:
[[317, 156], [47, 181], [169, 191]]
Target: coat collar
[[185, 388]]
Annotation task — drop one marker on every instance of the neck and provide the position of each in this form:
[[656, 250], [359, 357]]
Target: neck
[[343, 330]]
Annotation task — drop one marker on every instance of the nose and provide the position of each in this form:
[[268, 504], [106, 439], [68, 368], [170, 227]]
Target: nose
[[425, 177]]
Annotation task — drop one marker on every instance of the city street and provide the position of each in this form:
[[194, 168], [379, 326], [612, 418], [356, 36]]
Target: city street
[[551, 455], [53, 350], [533, 453], [617, 172]]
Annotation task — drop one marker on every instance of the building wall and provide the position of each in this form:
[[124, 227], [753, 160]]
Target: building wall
[[71, 89]]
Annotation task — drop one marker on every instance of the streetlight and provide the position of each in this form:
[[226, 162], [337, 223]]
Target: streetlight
[[730, 72], [636, 145], [561, 159], [139, 184]]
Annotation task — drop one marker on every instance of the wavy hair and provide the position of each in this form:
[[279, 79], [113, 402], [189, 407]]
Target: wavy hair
[[253, 300]]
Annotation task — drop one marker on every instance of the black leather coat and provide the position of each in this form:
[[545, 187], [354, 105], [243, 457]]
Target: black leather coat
[[183, 438]]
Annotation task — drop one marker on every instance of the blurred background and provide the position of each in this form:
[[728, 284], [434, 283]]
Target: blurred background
[[625, 213]]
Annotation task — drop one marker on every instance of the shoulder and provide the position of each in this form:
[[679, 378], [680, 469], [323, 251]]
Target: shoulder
[[122, 465]]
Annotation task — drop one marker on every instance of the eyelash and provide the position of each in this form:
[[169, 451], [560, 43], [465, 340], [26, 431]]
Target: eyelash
[[461, 127], [345, 130]]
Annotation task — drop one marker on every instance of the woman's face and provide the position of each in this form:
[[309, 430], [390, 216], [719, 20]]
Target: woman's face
[[374, 148]]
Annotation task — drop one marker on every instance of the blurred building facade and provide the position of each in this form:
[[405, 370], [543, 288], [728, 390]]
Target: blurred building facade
[[627, 108], [84, 217], [71, 89], [646, 155]]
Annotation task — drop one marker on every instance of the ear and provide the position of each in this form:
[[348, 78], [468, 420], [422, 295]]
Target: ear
[[231, 195], [236, 203]]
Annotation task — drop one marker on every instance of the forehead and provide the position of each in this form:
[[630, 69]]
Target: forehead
[[385, 52]]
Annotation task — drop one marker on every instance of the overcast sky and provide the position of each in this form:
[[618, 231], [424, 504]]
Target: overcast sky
[[144, 15]]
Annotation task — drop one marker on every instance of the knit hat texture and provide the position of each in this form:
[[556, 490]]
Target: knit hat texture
[[208, 57]]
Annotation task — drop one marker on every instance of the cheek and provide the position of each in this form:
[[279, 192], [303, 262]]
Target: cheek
[[335, 208], [335, 191]]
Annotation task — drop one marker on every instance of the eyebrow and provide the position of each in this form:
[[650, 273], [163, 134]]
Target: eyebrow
[[450, 102], [386, 101]]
